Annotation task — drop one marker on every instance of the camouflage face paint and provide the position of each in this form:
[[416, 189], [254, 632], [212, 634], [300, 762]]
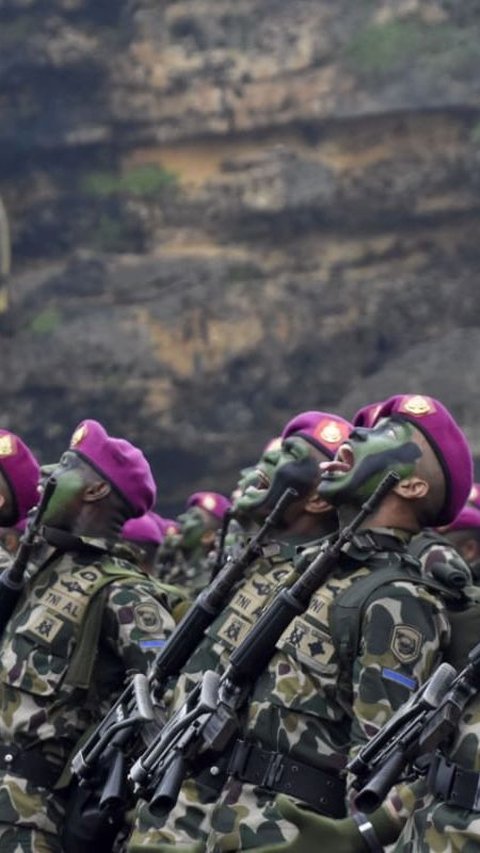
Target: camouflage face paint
[[292, 465], [192, 527], [63, 504], [255, 481], [362, 462]]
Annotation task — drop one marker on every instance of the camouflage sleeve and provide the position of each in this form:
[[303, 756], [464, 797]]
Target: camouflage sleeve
[[136, 623], [441, 561], [403, 633]]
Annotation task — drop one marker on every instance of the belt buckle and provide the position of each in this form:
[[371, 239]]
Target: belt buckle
[[274, 771]]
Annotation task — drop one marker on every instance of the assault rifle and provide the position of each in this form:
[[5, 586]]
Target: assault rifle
[[100, 765], [209, 719], [11, 580], [427, 722]]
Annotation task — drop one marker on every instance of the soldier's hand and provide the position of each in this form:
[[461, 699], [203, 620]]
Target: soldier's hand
[[316, 832]]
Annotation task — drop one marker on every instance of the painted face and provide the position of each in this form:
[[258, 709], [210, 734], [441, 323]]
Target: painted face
[[64, 503], [193, 524], [291, 465], [368, 455], [255, 481]]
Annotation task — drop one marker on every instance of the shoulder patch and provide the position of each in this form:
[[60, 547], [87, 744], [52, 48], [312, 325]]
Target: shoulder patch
[[406, 643], [148, 617]]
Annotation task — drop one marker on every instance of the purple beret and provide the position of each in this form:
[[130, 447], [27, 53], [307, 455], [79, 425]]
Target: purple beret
[[119, 462], [446, 439], [142, 529], [474, 496], [214, 503], [21, 471], [367, 415], [325, 431], [467, 518]]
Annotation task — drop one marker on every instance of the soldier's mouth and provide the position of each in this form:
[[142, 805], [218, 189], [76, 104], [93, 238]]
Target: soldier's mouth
[[261, 484], [342, 464]]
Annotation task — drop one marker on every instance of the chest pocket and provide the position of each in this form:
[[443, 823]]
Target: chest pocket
[[40, 641], [247, 604]]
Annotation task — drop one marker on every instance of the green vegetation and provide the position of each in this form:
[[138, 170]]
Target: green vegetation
[[145, 181], [45, 322], [385, 48]]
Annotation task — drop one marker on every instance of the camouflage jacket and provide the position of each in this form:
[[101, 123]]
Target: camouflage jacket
[[303, 707], [43, 707], [189, 820], [191, 574]]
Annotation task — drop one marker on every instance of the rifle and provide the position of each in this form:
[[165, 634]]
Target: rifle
[[194, 731], [11, 580], [102, 756], [428, 721]]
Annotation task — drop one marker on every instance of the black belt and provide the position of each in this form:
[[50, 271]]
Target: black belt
[[453, 784], [30, 764], [324, 791]]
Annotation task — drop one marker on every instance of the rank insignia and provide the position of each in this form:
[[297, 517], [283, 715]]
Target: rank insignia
[[406, 643], [78, 435], [7, 445], [417, 405]]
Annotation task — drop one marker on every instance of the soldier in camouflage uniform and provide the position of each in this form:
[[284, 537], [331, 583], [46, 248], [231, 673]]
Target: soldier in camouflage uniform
[[307, 439], [431, 825], [464, 535], [192, 566], [83, 621], [19, 477], [144, 536]]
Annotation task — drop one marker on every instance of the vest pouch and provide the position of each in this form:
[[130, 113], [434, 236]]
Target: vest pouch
[[37, 652]]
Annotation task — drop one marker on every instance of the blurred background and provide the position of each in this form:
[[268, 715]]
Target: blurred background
[[224, 212]]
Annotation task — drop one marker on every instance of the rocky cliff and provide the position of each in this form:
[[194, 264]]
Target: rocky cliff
[[226, 211]]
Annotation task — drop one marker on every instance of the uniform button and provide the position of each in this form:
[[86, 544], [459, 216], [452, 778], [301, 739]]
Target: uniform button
[[9, 756], [214, 770]]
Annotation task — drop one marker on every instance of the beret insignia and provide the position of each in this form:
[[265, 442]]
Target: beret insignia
[[209, 502], [331, 432], [417, 405], [474, 494], [7, 445], [78, 435]]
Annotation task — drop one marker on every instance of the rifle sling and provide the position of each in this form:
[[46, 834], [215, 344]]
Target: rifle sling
[[323, 790], [453, 784]]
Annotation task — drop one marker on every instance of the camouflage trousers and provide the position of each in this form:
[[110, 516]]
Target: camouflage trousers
[[31, 818], [246, 817]]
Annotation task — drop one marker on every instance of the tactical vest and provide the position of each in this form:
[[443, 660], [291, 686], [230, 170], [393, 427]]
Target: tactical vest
[[54, 634]]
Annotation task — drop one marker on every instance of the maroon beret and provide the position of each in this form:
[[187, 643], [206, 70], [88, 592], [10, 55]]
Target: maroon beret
[[21, 471], [122, 464], [214, 503], [447, 441], [142, 529], [322, 429], [367, 415], [467, 518]]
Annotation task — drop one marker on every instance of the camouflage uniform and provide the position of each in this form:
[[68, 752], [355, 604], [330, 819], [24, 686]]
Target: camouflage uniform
[[189, 820], [191, 573], [302, 705], [49, 695]]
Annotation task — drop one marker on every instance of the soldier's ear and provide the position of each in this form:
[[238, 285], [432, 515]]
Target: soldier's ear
[[412, 488], [96, 491]]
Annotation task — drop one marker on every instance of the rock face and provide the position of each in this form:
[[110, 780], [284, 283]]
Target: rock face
[[226, 211]]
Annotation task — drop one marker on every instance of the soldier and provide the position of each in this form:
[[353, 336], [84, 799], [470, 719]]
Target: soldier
[[434, 826], [199, 522], [145, 535], [439, 558], [19, 478], [80, 624], [307, 439]]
